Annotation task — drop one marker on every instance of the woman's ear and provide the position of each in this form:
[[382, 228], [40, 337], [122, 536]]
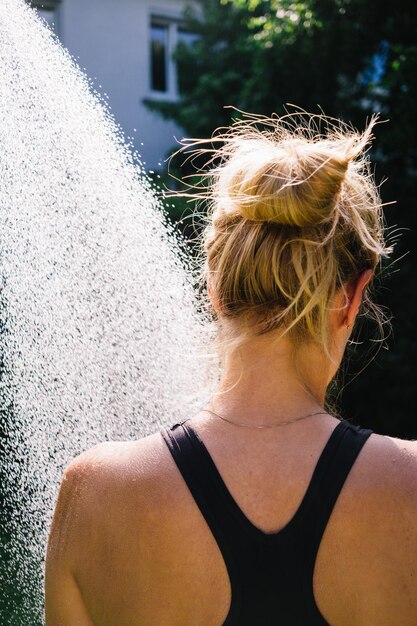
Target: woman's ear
[[354, 293]]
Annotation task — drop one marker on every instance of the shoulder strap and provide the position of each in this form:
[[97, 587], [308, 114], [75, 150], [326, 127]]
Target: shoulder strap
[[203, 484], [204, 488], [327, 481]]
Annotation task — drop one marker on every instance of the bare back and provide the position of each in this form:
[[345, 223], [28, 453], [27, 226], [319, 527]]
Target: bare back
[[129, 544]]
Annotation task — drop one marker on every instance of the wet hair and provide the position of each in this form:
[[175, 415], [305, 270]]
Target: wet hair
[[294, 214]]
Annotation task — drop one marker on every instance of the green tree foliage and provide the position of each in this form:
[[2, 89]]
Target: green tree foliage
[[258, 55], [351, 58]]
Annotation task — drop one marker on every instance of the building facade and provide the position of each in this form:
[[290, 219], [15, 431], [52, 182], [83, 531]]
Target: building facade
[[126, 48]]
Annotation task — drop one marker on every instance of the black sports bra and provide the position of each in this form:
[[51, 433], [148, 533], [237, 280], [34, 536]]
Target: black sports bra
[[271, 575]]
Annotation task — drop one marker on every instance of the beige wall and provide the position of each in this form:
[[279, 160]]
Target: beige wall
[[110, 39]]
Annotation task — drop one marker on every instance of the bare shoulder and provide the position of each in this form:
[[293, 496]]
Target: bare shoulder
[[385, 473], [383, 498], [392, 463], [109, 482], [386, 510], [376, 534], [110, 457], [108, 470], [406, 458], [105, 495]]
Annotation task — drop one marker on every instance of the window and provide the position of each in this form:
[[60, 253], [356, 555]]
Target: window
[[165, 35], [160, 51]]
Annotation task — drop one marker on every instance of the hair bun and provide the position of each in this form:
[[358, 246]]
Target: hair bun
[[278, 170], [296, 182]]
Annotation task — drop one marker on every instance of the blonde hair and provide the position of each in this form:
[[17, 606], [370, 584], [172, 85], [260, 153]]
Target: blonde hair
[[294, 214]]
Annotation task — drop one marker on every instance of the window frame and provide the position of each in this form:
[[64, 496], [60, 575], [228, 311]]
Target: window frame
[[174, 24]]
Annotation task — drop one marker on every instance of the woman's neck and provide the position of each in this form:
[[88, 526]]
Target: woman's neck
[[263, 382]]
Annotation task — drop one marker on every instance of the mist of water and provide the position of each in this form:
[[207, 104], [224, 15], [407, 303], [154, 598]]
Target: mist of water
[[100, 336]]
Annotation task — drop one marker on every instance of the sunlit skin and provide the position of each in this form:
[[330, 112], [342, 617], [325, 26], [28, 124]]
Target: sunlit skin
[[129, 546]]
